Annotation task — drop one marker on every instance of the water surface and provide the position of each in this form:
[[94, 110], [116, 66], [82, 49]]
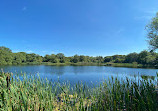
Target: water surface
[[75, 74]]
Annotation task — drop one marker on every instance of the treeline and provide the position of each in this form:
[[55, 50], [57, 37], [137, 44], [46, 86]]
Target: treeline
[[7, 57]]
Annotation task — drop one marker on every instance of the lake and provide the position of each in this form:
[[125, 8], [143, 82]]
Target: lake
[[75, 74]]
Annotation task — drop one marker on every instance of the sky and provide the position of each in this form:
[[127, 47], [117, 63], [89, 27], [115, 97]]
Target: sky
[[83, 27]]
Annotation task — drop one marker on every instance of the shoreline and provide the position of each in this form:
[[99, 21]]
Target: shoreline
[[127, 65]]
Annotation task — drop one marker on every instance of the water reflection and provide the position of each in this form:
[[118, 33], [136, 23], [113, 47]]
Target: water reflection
[[86, 74]]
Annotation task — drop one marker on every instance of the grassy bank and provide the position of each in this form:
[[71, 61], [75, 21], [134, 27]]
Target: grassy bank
[[73, 64], [33, 93], [130, 65], [93, 64], [124, 65]]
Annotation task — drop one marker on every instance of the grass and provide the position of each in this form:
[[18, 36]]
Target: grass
[[72, 64], [133, 65], [34, 93], [130, 65]]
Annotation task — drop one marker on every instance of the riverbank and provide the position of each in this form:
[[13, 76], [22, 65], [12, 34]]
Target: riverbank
[[34, 93], [72, 64], [130, 65]]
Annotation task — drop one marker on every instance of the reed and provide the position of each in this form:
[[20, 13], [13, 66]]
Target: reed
[[33, 93]]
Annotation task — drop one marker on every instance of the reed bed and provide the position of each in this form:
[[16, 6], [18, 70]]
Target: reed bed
[[23, 93]]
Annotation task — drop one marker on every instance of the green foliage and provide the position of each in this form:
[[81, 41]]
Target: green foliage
[[61, 57], [19, 58], [99, 59], [75, 59], [33, 93], [5, 56], [82, 58], [152, 30], [107, 59], [8, 58], [132, 57]]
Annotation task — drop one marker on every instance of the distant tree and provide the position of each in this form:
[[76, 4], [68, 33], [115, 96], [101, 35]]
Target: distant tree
[[114, 57], [31, 57], [5, 56], [91, 59], [99, 59], [2, 60], [142, 57], [156, 61], [118, 60], [46, 58], [67, 59], [82, 58], [132, 57], [152, 30], [23, 56], [107, 59], [75, 59], [5, 49], [53, 58], [61, 57], [39, 59], [19, 58], [150, 59]]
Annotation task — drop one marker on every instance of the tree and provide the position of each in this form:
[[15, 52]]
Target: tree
[[47, 58], [31, 57], [75, 58], [5, 56], [5, 49], [61, 57], [53, 58], [132, 57], [107, 59], [142, 57], [152, 30], [82, 58], [19, 58], [150, 59], [39, 59], [99, 59]]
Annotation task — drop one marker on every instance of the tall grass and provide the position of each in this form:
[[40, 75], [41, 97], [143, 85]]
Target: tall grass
[[34, 93]]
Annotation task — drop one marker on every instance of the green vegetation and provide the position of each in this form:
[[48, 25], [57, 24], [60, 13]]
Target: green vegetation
[[152, 30], [133, 65], [33, 93], [9, 58], [141, 59]]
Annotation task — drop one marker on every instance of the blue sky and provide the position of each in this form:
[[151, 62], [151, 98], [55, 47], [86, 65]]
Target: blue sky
[[88, 27]]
